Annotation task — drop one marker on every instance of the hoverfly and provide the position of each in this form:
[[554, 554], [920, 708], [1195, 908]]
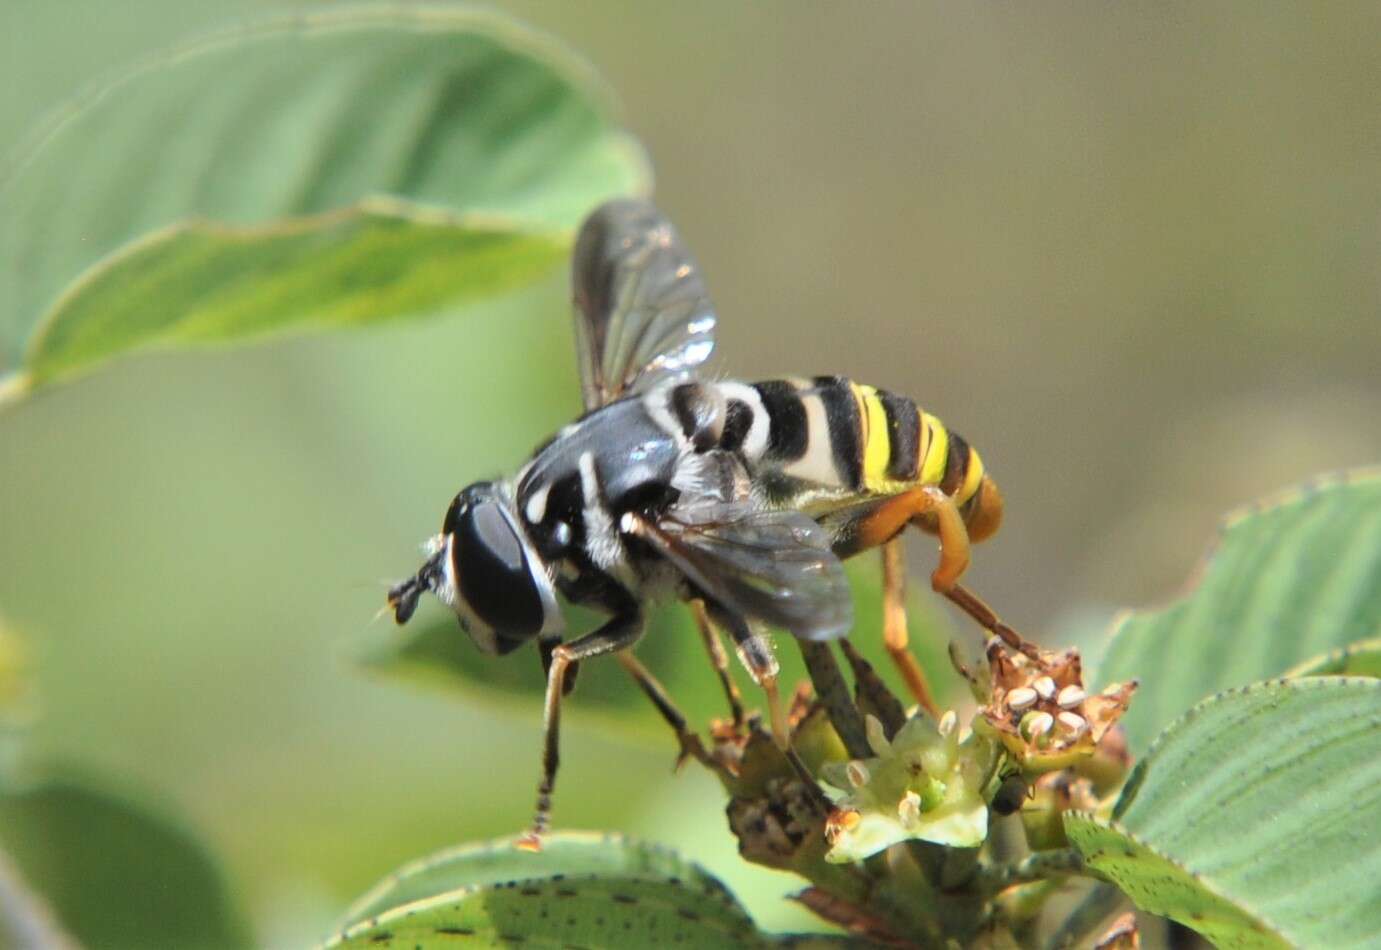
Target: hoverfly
[[740, 497]]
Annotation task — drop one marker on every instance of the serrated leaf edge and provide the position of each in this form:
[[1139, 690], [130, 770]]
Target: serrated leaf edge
[[729, 903], [1308, 667], [427, 862], [1203, 881], [403, 911], [1264, 505], [1134, 781]]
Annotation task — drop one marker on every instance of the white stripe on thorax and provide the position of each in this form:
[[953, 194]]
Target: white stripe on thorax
[[657, 404], [602, 541], [755, 442], [536, 508]]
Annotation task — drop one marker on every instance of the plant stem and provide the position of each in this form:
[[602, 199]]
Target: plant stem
[[829, 685], [1098, 905], [1043, 864]]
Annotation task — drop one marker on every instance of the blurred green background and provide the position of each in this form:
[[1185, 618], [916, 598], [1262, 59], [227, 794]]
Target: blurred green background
[[1131, 255]]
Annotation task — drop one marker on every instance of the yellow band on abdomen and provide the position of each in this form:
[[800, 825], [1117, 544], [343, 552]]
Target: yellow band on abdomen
[[936, 450], [877, 449], [971, 478]]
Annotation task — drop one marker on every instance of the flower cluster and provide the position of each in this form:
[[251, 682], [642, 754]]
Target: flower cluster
[[925, 783]]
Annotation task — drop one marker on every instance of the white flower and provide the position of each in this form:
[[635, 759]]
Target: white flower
[[924, 784]]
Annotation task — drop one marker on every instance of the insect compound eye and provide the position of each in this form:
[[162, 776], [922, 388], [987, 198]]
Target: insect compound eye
[[501, 594]]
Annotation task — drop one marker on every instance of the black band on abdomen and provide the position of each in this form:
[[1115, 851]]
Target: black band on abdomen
[[904, 434], [787, 436]]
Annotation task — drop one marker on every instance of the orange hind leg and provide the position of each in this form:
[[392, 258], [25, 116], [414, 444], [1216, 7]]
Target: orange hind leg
[[932, 510], [894, 633]]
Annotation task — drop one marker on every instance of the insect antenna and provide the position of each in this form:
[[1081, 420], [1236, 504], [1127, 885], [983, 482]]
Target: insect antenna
[[403, 596]]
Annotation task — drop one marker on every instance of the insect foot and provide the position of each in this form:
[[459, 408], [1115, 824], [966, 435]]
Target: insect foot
[[529, 841]]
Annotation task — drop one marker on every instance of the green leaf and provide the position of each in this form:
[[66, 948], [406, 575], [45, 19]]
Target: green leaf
[[1253, 818], [336, 168], [582, 889], [216, 285], [115, 873], [1159, 885], [437, 653], [1358, 659], [495, 862], [1289, 580]]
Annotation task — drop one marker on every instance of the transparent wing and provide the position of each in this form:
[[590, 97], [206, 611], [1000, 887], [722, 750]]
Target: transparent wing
[[774, 566], [641, 309]]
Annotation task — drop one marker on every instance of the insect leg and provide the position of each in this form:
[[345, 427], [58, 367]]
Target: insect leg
[[691, 746], [932, 510], [719, 659], [546, 645], [757, 656], [954, 559], [972, 604], [946, 521], [833, 694], [894, 633], [872, 693], [619, 633], [881, 527]]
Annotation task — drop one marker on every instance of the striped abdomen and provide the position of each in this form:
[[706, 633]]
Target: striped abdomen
[[821, 443]]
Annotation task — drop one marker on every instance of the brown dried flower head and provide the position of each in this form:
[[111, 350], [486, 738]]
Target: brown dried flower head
[[1039, 709]]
